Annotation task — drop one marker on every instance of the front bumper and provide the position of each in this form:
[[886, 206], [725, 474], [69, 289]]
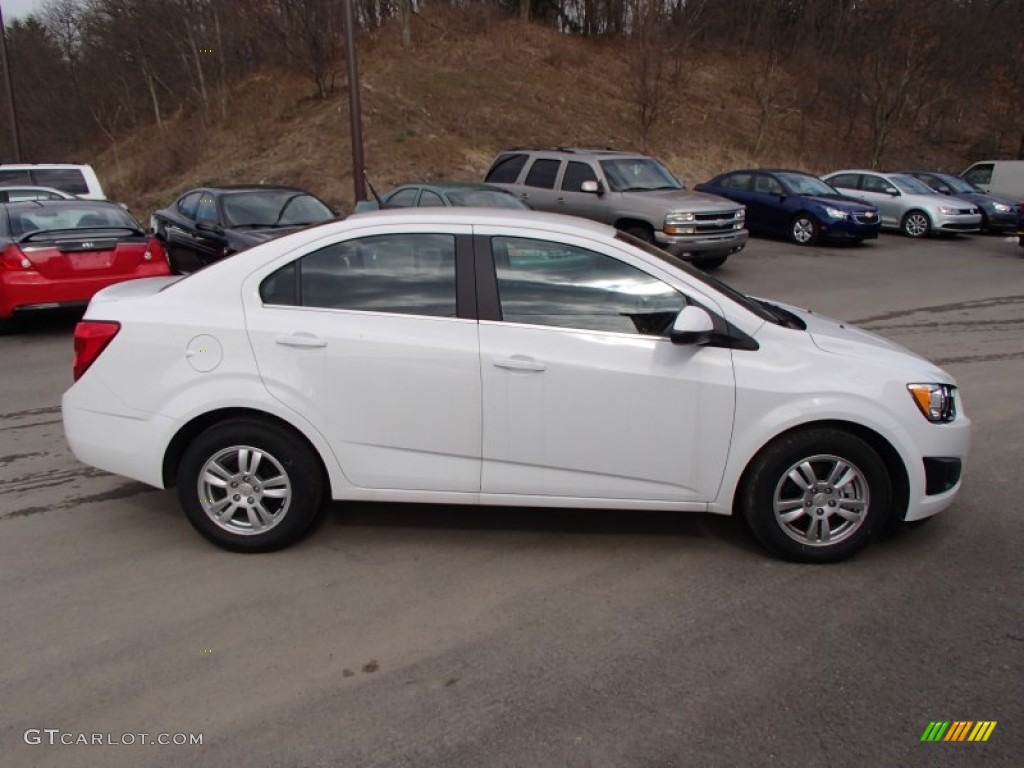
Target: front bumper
[[999, 221], [936, 476], [688, 246], [968, 222], [850, 229]]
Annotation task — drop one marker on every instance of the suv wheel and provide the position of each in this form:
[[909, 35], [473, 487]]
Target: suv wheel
[[640, 232]]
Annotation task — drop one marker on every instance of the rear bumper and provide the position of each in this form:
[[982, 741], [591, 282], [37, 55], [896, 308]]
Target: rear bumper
[[30, 291]]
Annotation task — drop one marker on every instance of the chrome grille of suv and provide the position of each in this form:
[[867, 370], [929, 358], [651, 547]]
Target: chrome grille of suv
[[714, 223]]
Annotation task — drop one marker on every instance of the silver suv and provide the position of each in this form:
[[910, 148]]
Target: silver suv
[[632, 192]]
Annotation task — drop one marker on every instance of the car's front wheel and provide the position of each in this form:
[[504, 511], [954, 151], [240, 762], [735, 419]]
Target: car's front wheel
[[250, 486], [916, 224], [817, 495], [804, 230]]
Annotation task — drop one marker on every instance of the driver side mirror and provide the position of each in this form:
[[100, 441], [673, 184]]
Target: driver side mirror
[[892, 191], [593, 187], [693, 325], [210, 226]]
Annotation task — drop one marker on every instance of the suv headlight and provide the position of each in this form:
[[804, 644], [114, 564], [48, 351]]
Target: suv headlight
[[1002, 207], [937, 402], [680, 223], [835, 213], [741, 213]]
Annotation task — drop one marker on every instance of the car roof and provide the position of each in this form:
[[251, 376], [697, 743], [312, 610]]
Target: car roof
[[33, 188], [598, 152], [470, 215], [75, 202], [453, 186], [767, 170], [245, 188]]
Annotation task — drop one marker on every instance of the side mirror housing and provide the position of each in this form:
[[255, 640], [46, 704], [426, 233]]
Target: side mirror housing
[[693, 325], [593, 187], [209, 225]]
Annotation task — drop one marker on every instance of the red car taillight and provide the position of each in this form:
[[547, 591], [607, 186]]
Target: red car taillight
[[12, 259], [91, 338]]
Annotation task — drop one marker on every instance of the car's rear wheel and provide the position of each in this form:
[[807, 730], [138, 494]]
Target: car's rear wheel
[[250, 486], [817, 495], [707, 263], [916, 224], [804, 230]]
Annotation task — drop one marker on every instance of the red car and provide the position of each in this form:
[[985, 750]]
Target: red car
[[58, 253]]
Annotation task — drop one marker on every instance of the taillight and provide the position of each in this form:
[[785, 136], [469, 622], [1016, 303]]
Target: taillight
[[14, 260], [91, 338], [155, 252]]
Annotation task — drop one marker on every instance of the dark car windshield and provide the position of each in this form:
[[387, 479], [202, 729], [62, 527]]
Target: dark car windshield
[[758, 308], [955, 183], [486, 198], [805, 184], [273, 208], [638, 174], [67, 214]]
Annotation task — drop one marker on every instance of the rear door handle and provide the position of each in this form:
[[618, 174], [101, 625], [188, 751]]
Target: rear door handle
[[519, 363], [300, 339]]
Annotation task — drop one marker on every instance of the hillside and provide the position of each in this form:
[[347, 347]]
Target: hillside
[[466, 88]]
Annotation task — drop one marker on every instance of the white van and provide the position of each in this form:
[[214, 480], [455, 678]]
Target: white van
[[78, 180], [998, 177]]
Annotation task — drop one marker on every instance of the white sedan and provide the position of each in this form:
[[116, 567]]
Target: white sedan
[[494, 357]]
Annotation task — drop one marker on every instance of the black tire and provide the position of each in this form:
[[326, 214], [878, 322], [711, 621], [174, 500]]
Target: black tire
[[708, 263], [916, 224], [283, 454], [640, 232], [813, 508], [804, 229]]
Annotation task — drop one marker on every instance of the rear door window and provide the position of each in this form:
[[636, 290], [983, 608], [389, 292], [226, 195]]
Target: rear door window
[[188, 204], [543, 174], [845, 180], [403, 198]]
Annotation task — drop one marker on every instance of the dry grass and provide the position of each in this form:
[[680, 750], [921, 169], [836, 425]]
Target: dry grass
[[471, 84]]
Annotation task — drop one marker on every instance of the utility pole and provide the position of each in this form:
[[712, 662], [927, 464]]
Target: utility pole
[[15, 135], [354, 109]]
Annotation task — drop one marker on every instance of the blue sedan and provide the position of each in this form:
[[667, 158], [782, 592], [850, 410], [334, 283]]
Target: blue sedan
[[795, 205]]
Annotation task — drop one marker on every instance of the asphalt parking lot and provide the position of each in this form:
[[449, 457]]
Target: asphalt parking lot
[[437, 636]]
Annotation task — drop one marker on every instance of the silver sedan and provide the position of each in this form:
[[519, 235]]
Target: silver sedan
[[907, 204]]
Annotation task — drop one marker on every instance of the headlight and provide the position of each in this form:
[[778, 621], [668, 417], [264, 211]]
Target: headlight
[[945, 209], [835, 213], [678, 217], [1002, 207], [937, 402], [741, 213]]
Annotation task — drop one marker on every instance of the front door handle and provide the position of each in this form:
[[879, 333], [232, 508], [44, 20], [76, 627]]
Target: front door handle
[[519, 363], [300, 340]]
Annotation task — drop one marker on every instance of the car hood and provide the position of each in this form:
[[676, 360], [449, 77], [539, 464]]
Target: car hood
[[843, 203], [670, 199], [841, 338]]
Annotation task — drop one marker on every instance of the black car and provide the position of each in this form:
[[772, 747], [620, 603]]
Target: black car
[[204, 225], [998, 214]]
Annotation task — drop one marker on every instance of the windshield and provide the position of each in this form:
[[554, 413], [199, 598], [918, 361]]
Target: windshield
[[67, 214], [486, 198], [911, 185], [751, 305], [805, 184], [638, 174], [955, 183], [273, 208]]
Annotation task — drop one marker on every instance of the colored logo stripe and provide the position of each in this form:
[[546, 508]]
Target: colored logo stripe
[[958, 730]]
